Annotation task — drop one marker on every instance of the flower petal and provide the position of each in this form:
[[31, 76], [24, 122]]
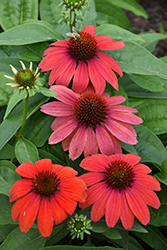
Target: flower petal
[[92, 178], [126, 216], [20, 188], [125, 117], [106, 43], [45, 218], [57, 109], [104, 141], [58, 212], [66, 203], [96, 163], [91, 146], [148, 181], [44, 165], [89, 29], [81, 78], [66, 76], [27, 169], [65, 95]]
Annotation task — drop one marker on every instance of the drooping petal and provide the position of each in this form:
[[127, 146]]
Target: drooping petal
[[57, 109], [106, 43], [29, 212], [81, 78], [62, 132], [106, 72], [117, 145], [52, 60], [89, 29], [58, 212], [77, 143], [104, 141], [138, 206], [66, 203], [67, 140], [114, 100], [113, 208], [65, 95], [58, 122], [125, 117], [44, 165], [96, 163], [20, 188], [27, 169], [66, 76], [126, 215], [92, 178], [110, 62], [99, 207], [45, 218], [97, 79], [91, 146]]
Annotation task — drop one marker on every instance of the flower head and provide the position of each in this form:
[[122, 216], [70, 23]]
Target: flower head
[[120, 187], [49, 192], [79, 225], [87, 122], [78, 57], [25, 78]]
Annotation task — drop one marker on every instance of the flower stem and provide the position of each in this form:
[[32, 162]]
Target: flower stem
[[24, 115]]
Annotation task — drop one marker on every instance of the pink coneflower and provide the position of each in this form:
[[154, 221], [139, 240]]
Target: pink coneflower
[[49, 192], [79, 57], [120, 188], [89, 121]]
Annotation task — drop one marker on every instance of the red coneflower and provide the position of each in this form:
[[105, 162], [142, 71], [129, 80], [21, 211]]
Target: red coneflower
[[49, 192], [120, 187], [87, 122], [79, 57]]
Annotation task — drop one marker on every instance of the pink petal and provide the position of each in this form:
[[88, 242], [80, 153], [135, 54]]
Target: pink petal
[[124, 132], [121, 108], [27, 170], [65, 94], [20, 188], [67, 140], [138, 206], [113, 208], [125, 117], [91, 143], [54, 49], [62, 132], [59, 121], [51, 60], [97, 79], [89, 29], [77, 143], [99, 207], [106, 43], [67, 74], [104, 141], [110, 62], [61, 43], [114, 100], [117, 145], [81, 78], [148, 181], [92, 178], [58, 212], [141, 169], [126, 216], [96, 163], [106, 72], [57, 109], [45, 218]]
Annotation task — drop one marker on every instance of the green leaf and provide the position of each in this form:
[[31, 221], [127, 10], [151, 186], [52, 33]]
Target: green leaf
[[14, 100], [99, 226], [64, 247], [7, 178], [57, 235], [8, 164], [153, 238], [149, 37], [17, 240], [5, 90], [149, 146], [47, 92], [112, 233], [38, 128], [5, 230], [7, 152], [131, 5], [26, 151], [5, 210], [12, 123], [109, 13], [4, 67], [118, 33], [15, 12], [135, 59], [162, 176], [151, 83], [154, 115], [28, 33]]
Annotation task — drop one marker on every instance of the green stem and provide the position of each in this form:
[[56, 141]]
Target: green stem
[[24, 115]]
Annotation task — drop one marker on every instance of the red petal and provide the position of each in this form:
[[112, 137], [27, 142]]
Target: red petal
[[67, 204], [65, 173], [81, 78], [104, 141], [96, 163], [27, 169], [106, 43], [89, 29], [44, 165], [147, 181], [141, 169], [65, 95], [45, 218], [20, 188], [92, 178], [58, 212], [126, 216], [132, 159], [66, 76]]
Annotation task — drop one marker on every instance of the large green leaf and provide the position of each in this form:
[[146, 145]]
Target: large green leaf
[[5, 230], [154, 115], [7, 152], [17, 240], [78, 248], [7, 178], [107, 12], [5, 210], [11, 124], [15, 12], [29, 32], [26, 151]]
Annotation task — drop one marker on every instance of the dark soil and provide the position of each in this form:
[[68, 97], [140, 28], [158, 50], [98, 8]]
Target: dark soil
[[157, 12]]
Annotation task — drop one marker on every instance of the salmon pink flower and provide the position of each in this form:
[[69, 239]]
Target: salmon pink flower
[[120, 187], [49, 192], [80, 57], [87, 122]]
